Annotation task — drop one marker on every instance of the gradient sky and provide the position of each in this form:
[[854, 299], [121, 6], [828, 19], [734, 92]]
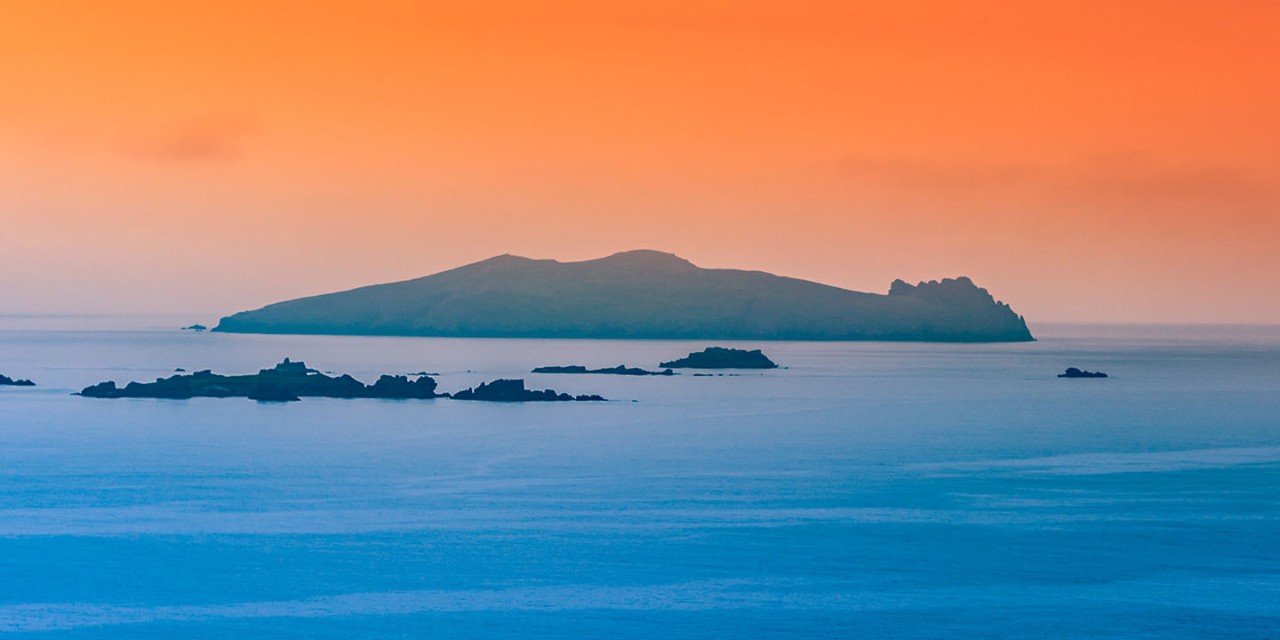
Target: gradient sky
[[1095, 161]]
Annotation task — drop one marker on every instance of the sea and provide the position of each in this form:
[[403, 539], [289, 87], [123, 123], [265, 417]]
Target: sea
[[860, 490]]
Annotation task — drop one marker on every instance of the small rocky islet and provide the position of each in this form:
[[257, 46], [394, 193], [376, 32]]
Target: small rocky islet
[[1073, 372], [291, 381], [709, 358], [722, 358], [620, 370], [6, 381], [284, 381], [506, 390]]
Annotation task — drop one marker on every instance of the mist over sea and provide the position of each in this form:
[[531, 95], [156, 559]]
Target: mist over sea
[[862, 490]]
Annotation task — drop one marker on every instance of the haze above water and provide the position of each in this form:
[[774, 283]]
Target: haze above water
[[866, 489]]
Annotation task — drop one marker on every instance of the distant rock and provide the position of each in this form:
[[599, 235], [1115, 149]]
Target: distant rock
[[290, 381], [285, 382], [1073, 372], [6, 381], [401, 387], [722, 358], [179, 370], [288, 367], [620, 370], [503, 390], [196, 328]]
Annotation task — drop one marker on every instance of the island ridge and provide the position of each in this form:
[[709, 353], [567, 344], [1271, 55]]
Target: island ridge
[[640, 294]]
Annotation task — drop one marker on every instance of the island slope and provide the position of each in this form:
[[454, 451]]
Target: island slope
[[640, 294]]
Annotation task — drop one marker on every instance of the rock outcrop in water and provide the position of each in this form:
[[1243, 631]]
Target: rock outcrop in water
[[285, 382], [723, 358], [1073, 372], [291, 381], [640, 294], [195, 327], [6, 381], [503, 390], [620, 370]]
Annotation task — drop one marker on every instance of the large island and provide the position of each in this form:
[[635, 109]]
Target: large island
[[640, 294]]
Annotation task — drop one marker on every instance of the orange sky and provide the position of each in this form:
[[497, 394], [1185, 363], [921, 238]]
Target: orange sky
[[1084, 161]]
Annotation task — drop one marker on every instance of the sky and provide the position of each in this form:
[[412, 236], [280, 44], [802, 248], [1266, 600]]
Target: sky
[[1089, 161]]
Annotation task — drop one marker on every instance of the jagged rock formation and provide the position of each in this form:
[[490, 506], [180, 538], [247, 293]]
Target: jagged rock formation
[[722, 358], [503, 390], [6, 381], [286, 381]]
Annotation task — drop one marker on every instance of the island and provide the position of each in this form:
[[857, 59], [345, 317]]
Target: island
[[6, 381], [1073, 372], [195, 327], [723, 358], [620, 370], [640, 295], [285, 382], [503, 390]]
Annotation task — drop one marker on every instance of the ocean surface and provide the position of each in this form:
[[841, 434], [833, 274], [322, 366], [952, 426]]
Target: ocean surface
[[864, 490]]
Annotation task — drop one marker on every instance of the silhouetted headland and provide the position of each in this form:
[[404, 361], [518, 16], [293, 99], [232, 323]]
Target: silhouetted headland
[[6, 381], [640, 294], [503, 390], [1073, 372], [620, 370], [723, 358]]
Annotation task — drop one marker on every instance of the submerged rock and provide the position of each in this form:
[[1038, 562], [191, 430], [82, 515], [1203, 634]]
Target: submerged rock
[[620, 370], [1073, 372], [285, 382], [722, 358], [6, 381], [504, 390]]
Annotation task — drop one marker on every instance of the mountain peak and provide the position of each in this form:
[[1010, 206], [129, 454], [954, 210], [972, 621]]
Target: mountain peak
[[645, 258]]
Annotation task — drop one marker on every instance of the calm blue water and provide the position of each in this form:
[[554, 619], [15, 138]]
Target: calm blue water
[[866, 490]]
